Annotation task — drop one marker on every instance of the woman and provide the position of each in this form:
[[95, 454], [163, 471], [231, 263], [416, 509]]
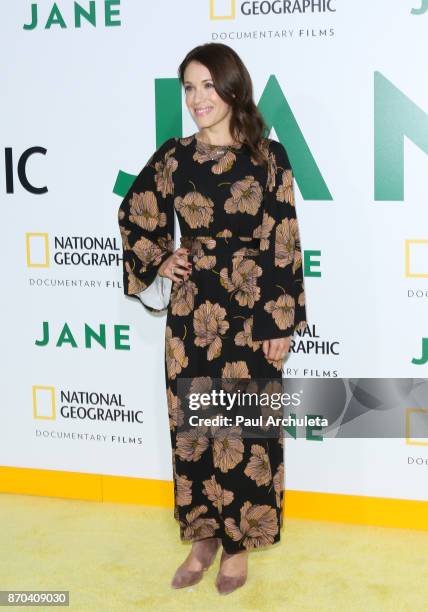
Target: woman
[[234, 295]]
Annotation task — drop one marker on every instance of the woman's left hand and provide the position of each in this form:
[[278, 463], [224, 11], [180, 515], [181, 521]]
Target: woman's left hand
[[277, 348]]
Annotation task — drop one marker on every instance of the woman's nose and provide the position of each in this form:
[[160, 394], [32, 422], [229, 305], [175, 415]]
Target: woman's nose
[[198, 97]]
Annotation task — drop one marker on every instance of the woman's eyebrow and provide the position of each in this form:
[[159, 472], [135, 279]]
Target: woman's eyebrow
[[203, 81]]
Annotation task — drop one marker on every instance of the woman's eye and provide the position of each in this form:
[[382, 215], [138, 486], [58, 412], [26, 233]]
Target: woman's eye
[[188, 87]]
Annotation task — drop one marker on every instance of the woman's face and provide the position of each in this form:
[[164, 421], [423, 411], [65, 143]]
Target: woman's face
[[202, 100]]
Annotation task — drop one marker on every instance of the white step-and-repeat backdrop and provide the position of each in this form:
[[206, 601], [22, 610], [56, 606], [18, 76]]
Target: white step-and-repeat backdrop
[[89, 90]]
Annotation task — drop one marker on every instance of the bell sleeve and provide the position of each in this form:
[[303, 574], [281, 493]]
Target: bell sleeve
[[146, 223], [280, 309]]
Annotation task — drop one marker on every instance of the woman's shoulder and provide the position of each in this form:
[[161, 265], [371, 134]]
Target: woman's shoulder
[[173, 144], [167, 144], [278, 150], [275, 145], [269, 145], [164, 150]]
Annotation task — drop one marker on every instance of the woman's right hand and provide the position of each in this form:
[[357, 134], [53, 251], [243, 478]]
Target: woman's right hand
[[179, 264]]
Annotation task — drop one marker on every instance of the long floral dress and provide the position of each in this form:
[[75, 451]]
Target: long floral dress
[[238, 219]]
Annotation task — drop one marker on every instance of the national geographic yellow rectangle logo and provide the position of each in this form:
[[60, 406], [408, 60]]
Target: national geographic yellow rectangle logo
[[417, 426], [37, 250], [222, 9], [44, 403], [416, 258]]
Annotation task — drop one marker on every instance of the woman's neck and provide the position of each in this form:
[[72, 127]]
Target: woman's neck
[[219, 140]]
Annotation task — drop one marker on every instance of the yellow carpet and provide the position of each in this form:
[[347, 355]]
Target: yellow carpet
[[121, 557]]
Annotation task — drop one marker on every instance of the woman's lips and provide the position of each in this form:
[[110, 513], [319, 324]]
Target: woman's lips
[[203, 111]]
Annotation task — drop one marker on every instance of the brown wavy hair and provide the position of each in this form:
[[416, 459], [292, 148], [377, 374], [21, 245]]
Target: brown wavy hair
[[233, 84]]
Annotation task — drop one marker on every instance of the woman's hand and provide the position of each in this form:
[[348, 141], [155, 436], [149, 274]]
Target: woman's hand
[[176, 267], [277, 348]]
